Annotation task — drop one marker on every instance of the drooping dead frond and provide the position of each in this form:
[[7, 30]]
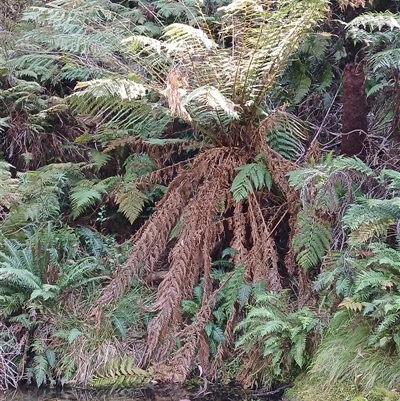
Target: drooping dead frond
[[199, 234], [177, 84], [353, 3], [262, 260]]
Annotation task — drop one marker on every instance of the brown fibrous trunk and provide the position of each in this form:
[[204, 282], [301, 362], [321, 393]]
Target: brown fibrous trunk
[[354, 130]]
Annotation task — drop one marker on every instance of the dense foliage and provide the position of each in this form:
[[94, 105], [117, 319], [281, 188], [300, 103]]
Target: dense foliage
[[173, 202]]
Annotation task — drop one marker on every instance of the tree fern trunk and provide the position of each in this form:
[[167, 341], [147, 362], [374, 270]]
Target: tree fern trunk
[[354, 129], [396, 108]]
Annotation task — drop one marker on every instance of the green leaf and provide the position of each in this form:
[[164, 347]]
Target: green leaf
[[73, 335], [250, 177]]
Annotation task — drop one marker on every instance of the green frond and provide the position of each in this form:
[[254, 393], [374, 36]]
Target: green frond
[[373, 21], [183, 38], [121, 88], [326, 79], [120, 372], [83, 197], [4, 124], [130, 200], [42, 67], [122, 117], [9, 195], [300, 80], [371, 217], [9, 304], [250, 177], [99, 159], [86, 194], [178, 9], [355, 164], [335, 274], [378, 87], [235, 289], [92, 241], [73, 334], [211, 102], [386, 59], [394, 183], [20, 277], [137, 165], [40, 369], [285, 134], [79, 274], [312, 239], [47, 292], [269, 33], [285, 144], [313, 175]]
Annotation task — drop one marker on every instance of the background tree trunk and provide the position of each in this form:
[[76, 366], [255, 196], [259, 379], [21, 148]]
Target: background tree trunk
[[354, 129]]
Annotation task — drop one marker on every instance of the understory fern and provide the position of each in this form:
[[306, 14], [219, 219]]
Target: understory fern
[[120, 372], [280, 333]]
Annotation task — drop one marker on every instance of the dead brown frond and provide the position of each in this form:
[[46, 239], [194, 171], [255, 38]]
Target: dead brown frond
[[177, 83], [352, 3], [28, 147], [13, 345], [196, 215], [262, 260]]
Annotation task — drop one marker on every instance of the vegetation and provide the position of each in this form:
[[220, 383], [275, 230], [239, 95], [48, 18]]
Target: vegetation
[[173, 201]]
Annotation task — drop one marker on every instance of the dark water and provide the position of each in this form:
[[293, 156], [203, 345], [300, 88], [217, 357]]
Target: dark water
[[154, 393]]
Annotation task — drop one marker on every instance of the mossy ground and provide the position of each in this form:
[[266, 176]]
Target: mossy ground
[[306, 389]]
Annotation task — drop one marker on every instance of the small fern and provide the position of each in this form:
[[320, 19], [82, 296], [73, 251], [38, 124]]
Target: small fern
[[120, 372], [281, 334]]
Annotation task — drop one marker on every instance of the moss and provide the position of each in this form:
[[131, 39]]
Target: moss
[[381, 394], [306, 389]]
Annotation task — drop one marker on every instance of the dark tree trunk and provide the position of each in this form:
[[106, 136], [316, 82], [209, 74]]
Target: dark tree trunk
[[396, 107], [354, 129]]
